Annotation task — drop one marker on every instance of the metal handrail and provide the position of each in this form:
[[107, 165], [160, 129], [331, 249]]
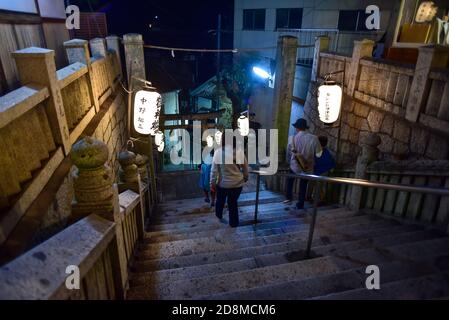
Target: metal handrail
[[340, 180]]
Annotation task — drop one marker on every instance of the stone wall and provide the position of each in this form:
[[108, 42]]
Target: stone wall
[[406, 105], [401, 139]]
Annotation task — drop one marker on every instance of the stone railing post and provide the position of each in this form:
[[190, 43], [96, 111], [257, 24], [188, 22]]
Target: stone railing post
[[135, 70], [113, 44], [78, 51], [130, 179], [321, 45], [98, 47], [96, 193], [99, 51], [286, 58], [368, 155], [134, 57], [37, 66], [362, 49], [429, 57]]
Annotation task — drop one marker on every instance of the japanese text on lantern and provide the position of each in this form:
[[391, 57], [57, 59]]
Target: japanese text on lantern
[[147, 108]]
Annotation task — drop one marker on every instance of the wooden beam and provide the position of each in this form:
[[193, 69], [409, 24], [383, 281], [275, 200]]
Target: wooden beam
[[191, 116], [299, 100], [10, 17], [187, 126]]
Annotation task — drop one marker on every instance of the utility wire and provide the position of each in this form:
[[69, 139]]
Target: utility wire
[[235, 50]]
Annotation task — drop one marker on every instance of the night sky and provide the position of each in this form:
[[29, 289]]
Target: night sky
[[173, 23]]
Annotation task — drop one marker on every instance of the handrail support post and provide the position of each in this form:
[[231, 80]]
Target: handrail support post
[[256, 209], [316, 200]]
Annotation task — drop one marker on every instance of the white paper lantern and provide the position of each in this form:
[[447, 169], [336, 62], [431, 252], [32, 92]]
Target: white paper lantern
[[210, 141], [218, 136], [426, 12], [159, 138], [243, 125], [161, 147], [329, 101], [147, 108]]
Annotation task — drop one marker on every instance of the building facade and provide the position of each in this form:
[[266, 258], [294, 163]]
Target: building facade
[[259, 24]]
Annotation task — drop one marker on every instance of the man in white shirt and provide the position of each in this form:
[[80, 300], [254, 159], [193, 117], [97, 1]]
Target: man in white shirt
[[307, 146]]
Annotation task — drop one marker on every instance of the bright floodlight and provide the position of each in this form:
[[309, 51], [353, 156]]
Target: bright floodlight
[[261, 72]]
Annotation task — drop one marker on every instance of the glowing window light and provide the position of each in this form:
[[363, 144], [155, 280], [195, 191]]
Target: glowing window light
[[159, 138], [261, 72], [243, 125], [147, 108], [210, 141], [161, 147], [426, 12], [218, 136], [329, 101]]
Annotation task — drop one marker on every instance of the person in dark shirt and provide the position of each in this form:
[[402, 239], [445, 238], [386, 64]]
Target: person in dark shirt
[[326, 162], [323, 165]]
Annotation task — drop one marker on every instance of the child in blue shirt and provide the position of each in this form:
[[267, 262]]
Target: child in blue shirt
[[204, 182]]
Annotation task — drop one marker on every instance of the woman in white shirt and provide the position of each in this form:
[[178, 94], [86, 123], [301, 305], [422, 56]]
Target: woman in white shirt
[[227, 178]]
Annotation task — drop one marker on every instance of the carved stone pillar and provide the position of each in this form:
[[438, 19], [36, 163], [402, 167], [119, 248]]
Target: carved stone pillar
[[368, 155], [128, 172], [286, 56], [321, 45], [142, 164], [130, 179], [93, 179]]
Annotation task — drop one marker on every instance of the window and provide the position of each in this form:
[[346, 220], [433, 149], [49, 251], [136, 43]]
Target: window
[[352, 20], [254, 19], [289, 18]]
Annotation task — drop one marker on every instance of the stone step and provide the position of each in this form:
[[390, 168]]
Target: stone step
[[188, 206], [244, 224], [217, 243], [248, 210], [245, 212], [251, 229], [242, 253], [336, 247], [432, 286], [293, 271], [240, 280], [245, 219], [239, 233], [408, 252], [335, 283]]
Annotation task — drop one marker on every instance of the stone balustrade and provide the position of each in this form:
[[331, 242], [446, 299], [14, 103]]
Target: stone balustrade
[[101, 243], [422, 208], [41, 120]]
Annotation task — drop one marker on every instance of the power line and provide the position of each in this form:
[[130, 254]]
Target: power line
[[235, 50]]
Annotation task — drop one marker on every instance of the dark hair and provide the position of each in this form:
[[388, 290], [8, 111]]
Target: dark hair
[[323, 141]]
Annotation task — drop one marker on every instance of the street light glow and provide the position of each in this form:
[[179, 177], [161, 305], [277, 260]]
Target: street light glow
[[261, 72]]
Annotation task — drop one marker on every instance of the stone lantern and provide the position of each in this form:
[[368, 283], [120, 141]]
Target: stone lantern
[[92, 178]]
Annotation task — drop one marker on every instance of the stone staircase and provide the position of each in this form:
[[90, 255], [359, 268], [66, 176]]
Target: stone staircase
[[189, 254]]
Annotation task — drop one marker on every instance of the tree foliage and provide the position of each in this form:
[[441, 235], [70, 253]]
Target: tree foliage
[[237, 81]]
